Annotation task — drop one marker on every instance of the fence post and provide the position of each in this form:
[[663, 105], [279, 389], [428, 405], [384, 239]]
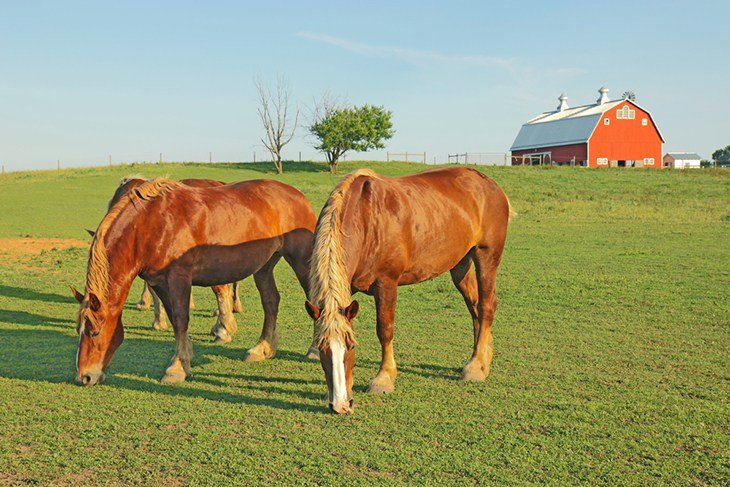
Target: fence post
[[424, 158], [300, 156], [58, 164], [3, 168], [110, 160], [160, 157], [406, 156], [210, 158], [387, 157], [254, 156]]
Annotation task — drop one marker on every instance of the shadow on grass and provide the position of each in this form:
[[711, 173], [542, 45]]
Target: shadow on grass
[[33, 295], [268, 167], [49, 356], [32, 319]]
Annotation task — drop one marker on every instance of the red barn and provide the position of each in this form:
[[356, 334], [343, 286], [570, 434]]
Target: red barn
[[607, 133]]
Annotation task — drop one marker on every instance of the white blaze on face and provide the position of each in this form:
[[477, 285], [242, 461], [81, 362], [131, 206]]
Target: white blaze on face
[[339, 385]]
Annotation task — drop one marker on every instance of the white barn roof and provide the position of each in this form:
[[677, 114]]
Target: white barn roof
[[684, 156], [570, 126]]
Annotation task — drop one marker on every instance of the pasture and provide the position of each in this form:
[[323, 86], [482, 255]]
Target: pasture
[[611, 365]]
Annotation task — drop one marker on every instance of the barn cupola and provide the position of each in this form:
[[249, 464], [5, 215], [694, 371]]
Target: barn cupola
[[563, 102], [604, 96]]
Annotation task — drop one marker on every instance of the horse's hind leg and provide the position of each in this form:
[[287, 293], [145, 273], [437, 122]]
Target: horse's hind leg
[[265, 283], [225, 326], [465, 280], [299, 262], [237, 306], [486, 262], [386, 295], [144, 298], [160, 322], [175, 295]]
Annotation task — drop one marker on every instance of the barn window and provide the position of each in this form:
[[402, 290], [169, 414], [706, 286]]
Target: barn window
[[644, 122], [626, 113], [602, 161], [606, 121], [648, 161]]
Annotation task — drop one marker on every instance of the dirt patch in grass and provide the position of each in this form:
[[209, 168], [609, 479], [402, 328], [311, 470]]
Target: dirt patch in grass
[[34, 246]]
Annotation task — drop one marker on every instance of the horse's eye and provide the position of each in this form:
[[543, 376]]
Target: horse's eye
[[89, 329]]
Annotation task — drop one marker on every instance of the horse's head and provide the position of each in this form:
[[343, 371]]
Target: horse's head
[[100, 334], [337, 353]]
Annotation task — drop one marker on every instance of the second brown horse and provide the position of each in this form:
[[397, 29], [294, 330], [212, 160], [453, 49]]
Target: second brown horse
[[375, 234], [174, 236]]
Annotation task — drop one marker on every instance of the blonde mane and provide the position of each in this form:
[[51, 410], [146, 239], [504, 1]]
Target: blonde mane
[[329, 286], [97, 273]]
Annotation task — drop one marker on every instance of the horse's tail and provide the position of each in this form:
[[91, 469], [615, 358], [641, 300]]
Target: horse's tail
[[512, 211]]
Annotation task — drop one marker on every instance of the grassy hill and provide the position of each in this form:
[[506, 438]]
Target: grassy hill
[[611, 350]]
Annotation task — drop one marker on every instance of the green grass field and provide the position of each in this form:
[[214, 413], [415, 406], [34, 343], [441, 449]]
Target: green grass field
[[611, 360]]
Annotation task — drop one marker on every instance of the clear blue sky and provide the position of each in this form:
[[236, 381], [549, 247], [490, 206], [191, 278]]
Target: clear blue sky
[[82, 80]]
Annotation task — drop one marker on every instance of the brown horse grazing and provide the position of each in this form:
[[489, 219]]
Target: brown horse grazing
[[174, 236], [225, 325], [375, 234]]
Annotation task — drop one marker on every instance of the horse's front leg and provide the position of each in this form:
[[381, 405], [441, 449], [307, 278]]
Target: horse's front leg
[[144, 298], [175, 295], [160, 321], [386, 295], [237, 306], [225, 326]]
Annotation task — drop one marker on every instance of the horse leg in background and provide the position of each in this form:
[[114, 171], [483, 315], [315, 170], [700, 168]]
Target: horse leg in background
[[300, 264], [237, 306], [486, 262], [386, 295], [225, 326], [465, 280], [160, 322], [265, 283], [175, 295], [144, 299]]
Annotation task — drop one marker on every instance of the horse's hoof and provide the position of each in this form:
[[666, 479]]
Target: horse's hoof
[[313, 353], [222, 339], [237, 307], [253, 356], [381, 386], [159, 326], [473, 372], [173, 378]]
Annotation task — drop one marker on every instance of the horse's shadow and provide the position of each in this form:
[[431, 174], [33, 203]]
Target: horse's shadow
[[267, 167], [32, 295], [49, 356]]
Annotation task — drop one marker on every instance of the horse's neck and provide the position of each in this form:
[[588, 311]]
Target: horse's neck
[[123, 263], [353, 241]]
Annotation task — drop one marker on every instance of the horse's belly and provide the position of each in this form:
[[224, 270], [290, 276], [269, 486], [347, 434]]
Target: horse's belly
[[223, 264]]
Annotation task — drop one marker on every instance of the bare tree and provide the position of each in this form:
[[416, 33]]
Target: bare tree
[[273, 111]]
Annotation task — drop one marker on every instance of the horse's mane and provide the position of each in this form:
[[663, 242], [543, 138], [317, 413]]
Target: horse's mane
[[97, 273], [130, 177], [329, 286]]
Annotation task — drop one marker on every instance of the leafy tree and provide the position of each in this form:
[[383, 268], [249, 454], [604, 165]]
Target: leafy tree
[[722, 156], [339, 129]]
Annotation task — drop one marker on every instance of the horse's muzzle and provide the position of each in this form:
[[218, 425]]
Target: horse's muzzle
[[90, 378]]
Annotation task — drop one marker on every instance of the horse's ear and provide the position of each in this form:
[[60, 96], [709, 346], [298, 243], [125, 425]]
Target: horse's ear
[[79, 297], [90, 232], [351, 310], [94, 302], [312, 310]]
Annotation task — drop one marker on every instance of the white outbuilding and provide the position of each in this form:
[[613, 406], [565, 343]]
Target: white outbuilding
[[682, 160]]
